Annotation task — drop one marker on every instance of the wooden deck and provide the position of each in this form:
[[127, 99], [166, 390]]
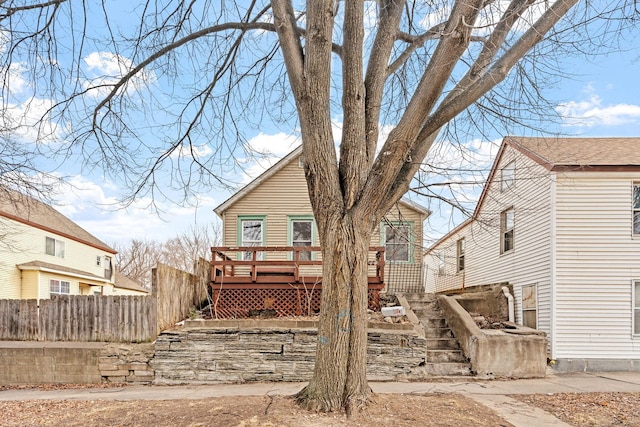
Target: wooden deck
[[281, 280]]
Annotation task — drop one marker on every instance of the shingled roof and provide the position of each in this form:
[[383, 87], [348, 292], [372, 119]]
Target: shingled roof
[[27, 210], [563, 154]]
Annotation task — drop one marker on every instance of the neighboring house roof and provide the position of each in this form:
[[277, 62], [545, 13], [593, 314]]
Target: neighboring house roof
[[573, 154], [125, 282], [27, 210], [564, 155], [275, 169], [59, 269]]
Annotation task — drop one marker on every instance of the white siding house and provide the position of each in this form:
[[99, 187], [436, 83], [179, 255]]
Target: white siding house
[[559, 220], [43, 253]]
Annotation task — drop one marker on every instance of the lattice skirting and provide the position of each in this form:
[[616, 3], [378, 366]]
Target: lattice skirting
[[242, 303]]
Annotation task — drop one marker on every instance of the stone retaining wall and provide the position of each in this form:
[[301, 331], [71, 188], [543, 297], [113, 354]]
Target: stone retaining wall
[[126, 363], [231, 354]]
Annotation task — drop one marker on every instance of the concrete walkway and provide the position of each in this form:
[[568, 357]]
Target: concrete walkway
[[492, 393]]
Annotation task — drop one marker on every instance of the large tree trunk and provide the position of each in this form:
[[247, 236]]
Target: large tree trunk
[[340, 373]]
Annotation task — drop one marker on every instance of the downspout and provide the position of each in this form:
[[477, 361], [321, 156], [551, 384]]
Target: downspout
[[512, 312]]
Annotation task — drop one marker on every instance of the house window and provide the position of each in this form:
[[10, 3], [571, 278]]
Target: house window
[[441, 262], [636, 308], [530, 306], [460, 255], [506, 230], [108, 270], [636, 208], [251, 234], [58, 287], [98, 261], [508, 176], [54, 247], [301, 162], [396, 239], [301, 230]]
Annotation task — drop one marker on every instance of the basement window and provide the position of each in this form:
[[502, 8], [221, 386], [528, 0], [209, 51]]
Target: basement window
[[530, 306]]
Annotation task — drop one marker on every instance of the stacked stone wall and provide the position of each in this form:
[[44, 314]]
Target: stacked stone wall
[[126, 363], [247, 354]]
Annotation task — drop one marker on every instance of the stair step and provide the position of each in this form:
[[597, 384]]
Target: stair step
[[442, 344], [419, 297], [447, 369], [438, 333], [445, 356], [436, 322]]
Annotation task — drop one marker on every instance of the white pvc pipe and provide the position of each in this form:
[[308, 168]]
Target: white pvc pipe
[[512, 314]]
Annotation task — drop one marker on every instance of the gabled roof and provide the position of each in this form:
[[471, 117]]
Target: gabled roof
[[571, 155], [587, 154], [60, 269], [279, 166], [27, 210], [257, 181], [125, 282], [563, 155]]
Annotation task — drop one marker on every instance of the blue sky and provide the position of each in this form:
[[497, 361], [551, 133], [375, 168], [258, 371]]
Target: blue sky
[[597, 97]]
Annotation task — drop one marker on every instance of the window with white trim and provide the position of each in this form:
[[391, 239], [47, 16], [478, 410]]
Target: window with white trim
[[507, 176], [302, 235], [397, 242], [507, 228], [636, 307], [441, 262], [98, 261], [251, 234], [635, 209], [530, 306], [108, 269], [54, 247], [59, 287], [460, 255]]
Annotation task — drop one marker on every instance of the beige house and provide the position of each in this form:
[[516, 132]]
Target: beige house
[[44, 253], [559, 220], [274, 210]]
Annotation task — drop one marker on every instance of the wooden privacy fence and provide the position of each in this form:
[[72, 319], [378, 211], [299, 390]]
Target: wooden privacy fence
[[80, 318]]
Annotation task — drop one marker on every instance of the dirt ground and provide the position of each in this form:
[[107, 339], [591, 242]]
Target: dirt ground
[[587, 409]]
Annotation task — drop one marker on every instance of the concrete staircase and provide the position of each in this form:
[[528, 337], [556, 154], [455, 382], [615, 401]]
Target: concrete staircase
[[444, 355]]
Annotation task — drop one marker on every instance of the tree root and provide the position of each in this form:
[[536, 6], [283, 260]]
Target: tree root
[[351, 405]]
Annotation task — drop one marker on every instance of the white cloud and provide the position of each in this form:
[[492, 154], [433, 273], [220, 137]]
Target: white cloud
[[590, 112], [195, 151], [275, 145], [30, 121], [95, 208], [107, 68]]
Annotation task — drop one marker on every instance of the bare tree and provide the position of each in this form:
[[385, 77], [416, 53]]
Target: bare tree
[[136, 258], [201, 72]]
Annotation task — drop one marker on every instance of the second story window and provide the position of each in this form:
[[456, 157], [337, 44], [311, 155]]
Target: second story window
[[508, 176], [54, 247], [460, 255], [635, 209], [507, 228]]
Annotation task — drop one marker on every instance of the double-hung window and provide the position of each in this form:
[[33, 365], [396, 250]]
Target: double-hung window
[[58, 287], [54, 247], [635, 210], [507, 228], [397, 242], [251, 234], [636, 307], [530, 306], [302, 235], [508, 176], [460, 255]]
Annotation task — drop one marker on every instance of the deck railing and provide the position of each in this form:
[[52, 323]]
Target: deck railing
[[281, 280]]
